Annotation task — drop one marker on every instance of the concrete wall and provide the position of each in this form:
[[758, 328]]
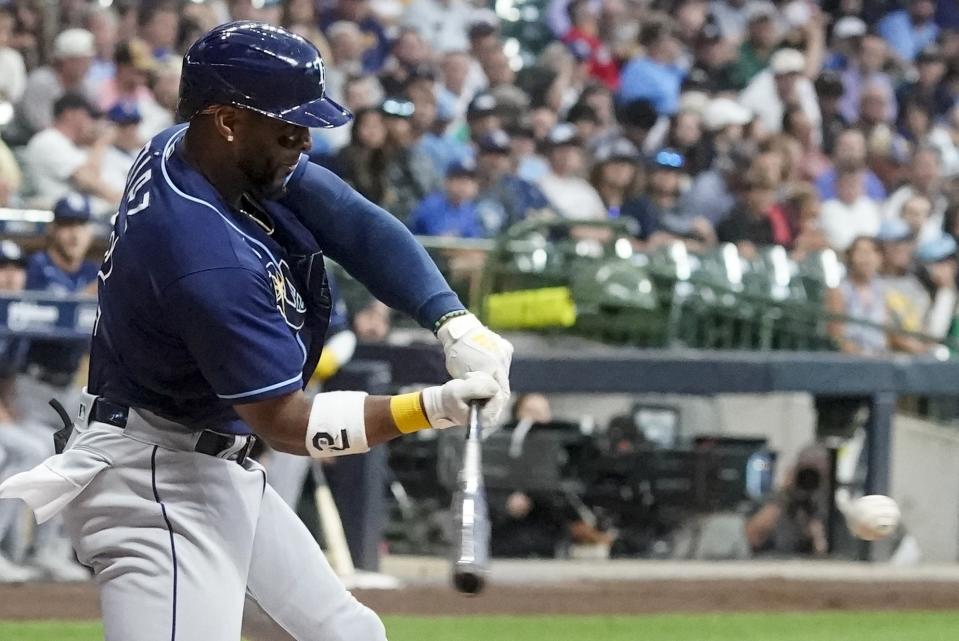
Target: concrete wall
[[925, 483], [925, 457], [786, 420]]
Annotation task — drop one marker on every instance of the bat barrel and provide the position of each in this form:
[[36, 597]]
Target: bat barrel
[[471, 514]]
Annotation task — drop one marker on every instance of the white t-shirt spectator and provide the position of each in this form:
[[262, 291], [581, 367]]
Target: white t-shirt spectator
[[572, 197], [115, 166], [50, 159], [43, 88], [761, 97], [443, 25], [941, 138], [842, 222], [155, 119], [932, 229], [13, 75]]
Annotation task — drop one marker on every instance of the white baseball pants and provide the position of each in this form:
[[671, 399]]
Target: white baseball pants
[[176, 538]]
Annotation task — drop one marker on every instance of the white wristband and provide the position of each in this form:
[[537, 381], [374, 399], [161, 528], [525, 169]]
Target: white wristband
[[456, 328], [337, 425]]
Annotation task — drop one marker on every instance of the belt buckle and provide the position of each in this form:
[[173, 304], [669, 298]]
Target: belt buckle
[[246, 449]]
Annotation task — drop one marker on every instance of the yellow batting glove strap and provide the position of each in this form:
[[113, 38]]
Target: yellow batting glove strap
[[407, 412]]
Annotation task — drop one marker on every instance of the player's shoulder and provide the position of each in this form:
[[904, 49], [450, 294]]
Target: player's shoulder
[[318, 179], [183, 226], [88, 270], [44, 141], [40, 270], [37, 260]]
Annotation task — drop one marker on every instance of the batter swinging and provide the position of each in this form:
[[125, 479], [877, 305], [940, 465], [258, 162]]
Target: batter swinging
[[213, 309]]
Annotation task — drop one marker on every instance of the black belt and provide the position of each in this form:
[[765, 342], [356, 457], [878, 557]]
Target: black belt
[[210, 442]]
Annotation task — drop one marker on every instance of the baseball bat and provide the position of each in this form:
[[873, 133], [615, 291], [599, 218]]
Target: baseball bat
[[470, 513], [337, 549]]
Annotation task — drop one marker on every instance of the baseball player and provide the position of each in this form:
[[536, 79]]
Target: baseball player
[[50, 367], [213, 305], [287, 472], [19, 449], [61, 269]]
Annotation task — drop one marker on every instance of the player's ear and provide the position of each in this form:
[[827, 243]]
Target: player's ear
[[224, 120]]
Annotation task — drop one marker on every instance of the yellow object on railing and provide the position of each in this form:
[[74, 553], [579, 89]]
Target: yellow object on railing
[[531, 309]]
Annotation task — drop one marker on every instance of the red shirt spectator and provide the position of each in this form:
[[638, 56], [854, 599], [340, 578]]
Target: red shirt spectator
[[584, 42]]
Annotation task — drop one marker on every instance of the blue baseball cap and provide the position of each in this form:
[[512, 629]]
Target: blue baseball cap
[[496, 142], [563, 134], [72, 208], [669, 159], [894, 230], [11, 254], [619, 149], [483, 104], [934, 251], [124, 113], [461, 167]]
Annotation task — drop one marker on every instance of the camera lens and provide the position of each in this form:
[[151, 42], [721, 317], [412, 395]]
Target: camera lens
[[807, 479]]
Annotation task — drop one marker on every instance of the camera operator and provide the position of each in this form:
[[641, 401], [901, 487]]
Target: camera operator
[[793, 522], [530, 524]]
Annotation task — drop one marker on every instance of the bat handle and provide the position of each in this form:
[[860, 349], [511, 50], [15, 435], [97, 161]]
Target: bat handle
[[473, 420]]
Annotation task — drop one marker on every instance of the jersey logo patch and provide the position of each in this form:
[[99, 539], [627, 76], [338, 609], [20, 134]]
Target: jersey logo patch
[[288, 299]]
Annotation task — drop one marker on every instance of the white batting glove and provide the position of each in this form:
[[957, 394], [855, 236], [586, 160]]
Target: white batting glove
[[448, 404], [472, 347]]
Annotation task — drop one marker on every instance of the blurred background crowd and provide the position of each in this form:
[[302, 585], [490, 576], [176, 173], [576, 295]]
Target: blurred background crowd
[[809, 126], [793, 123]]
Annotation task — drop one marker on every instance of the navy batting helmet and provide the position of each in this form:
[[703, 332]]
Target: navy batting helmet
[[259, 67]]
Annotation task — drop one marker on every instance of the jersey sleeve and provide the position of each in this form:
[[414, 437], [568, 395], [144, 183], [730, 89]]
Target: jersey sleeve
[[372, 245], [12, 354], [229, 320], [35, 277], [339, 315]]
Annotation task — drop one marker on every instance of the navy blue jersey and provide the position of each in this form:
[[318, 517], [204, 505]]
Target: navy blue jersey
[[44, 275], [13, 351], [339, 315], [200, 307]]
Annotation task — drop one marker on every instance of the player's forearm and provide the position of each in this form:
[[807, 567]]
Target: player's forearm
[[6, 415], [87, 179], [284, 422], [371, 244], [338, 423], [941, 314], [760, 526]]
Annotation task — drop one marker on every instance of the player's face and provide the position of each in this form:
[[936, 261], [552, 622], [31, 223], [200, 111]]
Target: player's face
[[267, 150], [12, 278], [864, 258], [461, 189], [71, 240], [898, 256]]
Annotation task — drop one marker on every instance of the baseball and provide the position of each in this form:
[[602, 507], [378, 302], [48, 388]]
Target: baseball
[[872, 517]]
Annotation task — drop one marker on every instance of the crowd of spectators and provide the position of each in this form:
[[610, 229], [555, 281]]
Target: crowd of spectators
[[782, 95], [797, 123], [815, 126]]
